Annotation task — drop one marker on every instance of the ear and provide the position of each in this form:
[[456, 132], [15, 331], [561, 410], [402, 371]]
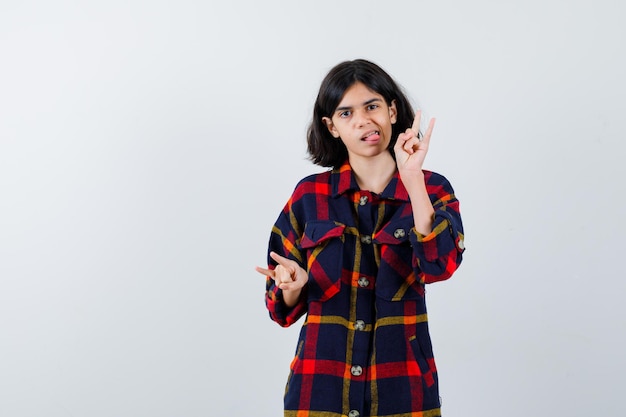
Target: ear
[[393, 112], [331, 126]]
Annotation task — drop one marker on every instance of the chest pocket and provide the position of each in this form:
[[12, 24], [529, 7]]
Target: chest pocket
[[398, 277], [323, 242]]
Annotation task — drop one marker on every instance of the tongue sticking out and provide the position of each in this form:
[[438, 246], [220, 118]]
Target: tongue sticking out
[[371, 137]]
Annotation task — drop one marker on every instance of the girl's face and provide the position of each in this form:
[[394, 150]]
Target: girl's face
[[363, 122]]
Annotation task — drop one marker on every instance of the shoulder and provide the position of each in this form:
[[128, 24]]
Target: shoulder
[[305, 199], [318, 183], [320, 177]]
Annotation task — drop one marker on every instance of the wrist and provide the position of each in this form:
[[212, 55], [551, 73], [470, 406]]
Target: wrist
[[413, 181]]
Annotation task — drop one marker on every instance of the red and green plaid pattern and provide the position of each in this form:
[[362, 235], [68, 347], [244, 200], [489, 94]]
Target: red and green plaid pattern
[[364, 348]]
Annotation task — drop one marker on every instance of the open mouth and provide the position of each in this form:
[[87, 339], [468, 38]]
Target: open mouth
[[370, 136]]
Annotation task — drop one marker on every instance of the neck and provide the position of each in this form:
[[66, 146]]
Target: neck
[[373, 174]]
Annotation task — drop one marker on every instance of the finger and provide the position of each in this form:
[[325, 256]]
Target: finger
[[429, 131], [283, 275], [402, 138], [416, 122], [285, 262], [266, 272], [285, 284], [288, 286], [412, 145], [408, 140]]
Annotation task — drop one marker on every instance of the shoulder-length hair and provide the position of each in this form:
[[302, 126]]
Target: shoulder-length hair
[[323, 148]]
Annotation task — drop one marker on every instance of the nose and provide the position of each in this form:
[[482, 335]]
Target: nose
[[360, 118]]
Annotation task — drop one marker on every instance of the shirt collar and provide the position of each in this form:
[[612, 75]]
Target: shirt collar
[[342, 181]]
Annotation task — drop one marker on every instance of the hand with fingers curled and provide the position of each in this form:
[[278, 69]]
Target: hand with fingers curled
[[411, 148], [288, 275]]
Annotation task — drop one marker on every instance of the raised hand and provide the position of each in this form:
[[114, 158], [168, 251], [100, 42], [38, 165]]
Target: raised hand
[[410, 149]]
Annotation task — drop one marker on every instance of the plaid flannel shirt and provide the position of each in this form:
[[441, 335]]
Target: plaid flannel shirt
[[364, 348]]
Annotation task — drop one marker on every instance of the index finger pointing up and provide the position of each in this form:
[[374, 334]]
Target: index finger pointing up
[[416, 122]]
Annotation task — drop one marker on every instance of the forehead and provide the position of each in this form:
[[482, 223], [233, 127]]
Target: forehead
[[358, 94]]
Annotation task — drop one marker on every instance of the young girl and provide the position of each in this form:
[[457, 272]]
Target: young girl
[[353, 249]]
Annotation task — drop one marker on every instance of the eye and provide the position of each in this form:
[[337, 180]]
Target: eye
[[345, 113], [372, 106]]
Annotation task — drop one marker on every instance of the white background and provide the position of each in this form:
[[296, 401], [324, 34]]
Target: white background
[[146, 148]]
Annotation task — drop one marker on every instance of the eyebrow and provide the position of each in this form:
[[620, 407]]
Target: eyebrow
[[370, 101]]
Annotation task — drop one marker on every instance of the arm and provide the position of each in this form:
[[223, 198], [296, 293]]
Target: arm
[[410, 151], [437, 237], [285, 278], [439, 252]]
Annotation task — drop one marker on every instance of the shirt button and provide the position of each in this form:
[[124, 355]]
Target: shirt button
[[359, 325], [366, 239], [398, 233], [354, 413], [461, 244], [363, 200], [356, 370], [364, 282]]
